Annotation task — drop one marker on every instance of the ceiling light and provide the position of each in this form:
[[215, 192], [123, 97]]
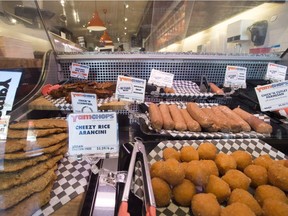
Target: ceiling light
[[126, 6], [96, 24], [118, 39], [126, 19], [125, 28], [106, 38], [125, 33]]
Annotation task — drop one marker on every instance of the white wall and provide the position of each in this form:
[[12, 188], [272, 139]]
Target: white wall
[[214, 39]]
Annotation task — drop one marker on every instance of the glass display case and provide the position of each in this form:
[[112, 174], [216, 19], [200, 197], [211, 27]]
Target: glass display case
[[43, 44]]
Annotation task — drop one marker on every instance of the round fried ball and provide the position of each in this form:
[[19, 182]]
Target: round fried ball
[[184, 165], [162, 192], [188, 153], [205, 204], [278, 176], [257, 174], [197, 173], [173, 172], [170, 152], [263, 160], [183, 192], [264, 192], [218, 187], [225, 162], [207, 151], [211, 166], [157, 169], [243, 196], [274, 208], [237, 179], [237, 209], [243, 159]]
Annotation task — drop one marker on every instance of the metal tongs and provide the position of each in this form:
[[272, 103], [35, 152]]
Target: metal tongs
[[149, 199]]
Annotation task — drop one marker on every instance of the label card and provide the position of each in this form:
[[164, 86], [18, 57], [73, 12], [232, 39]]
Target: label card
[[79, 71], [9, 82], [235, 76], [4, 123], [276, 72], [84, 102], [161, 79], [273, 96], [93, 133], [130, 89]]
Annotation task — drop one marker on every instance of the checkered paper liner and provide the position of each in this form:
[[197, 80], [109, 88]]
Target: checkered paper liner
[[200, 135], [72, 179], [255, 147], [63, 105], [187, 88]]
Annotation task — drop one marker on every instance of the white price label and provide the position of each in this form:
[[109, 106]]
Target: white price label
[[9, 81], [84, 102], [4, 123], [235, 76], [161, 79], [79, 71], [93, 133], [273, 96], [130, 89], [276, 72]]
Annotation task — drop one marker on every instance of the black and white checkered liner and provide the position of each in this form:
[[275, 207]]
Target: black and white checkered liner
[[72, 179], [203, 135], [187, 88], [63, 105], [255, 147]]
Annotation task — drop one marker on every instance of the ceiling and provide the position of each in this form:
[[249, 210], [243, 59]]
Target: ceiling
[[144, 16]]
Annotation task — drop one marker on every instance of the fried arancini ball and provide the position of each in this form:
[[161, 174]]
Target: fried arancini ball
[[162, 192], [243, 196], [274, 208], [207, 151], [225, 162], [157, 169], [237, 209], [218, 187], [257, 174], [205, 204], [196, 173], [183, 193], [188, 153], [211, 166], [173, 172], [243, 159], [237, 179], [264, 192], [278, 176], [170, 152], [184, 165], [263, 160]]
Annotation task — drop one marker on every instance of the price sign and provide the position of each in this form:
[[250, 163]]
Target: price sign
[[276, 72], [161, 79], [4, 123], [79, 71], [130, 89], [9, 81], [235, 76], [84, 102], [273, 96], [93, 133]]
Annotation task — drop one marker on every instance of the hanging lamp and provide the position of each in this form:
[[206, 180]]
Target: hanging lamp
[[106, 38], [96, 24]]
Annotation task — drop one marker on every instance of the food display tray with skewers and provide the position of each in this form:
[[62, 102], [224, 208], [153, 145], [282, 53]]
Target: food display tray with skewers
[[254, 147], [147, 129]]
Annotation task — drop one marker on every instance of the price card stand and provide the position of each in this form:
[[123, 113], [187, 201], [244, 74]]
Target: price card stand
[[235, 78]]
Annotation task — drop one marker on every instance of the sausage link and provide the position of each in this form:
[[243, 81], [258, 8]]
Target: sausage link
[[197, 114], [225, 123], [177, 117], [215, 126], [257, 124], [192, 125], [215, 89], [168, 123], [155, 116]]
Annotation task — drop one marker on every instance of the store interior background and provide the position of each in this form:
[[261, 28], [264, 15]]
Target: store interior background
[[212, 39]]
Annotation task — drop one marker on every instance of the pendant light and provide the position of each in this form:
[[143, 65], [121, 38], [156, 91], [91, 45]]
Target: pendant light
[[95, 23], [105, 37]]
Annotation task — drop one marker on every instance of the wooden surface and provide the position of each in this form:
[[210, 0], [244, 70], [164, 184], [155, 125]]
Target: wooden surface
[[16, 63], [42, 103], [72, 208]]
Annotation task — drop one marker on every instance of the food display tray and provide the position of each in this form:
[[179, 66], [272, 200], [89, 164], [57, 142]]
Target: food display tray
[[255, 147], [146, 128]]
